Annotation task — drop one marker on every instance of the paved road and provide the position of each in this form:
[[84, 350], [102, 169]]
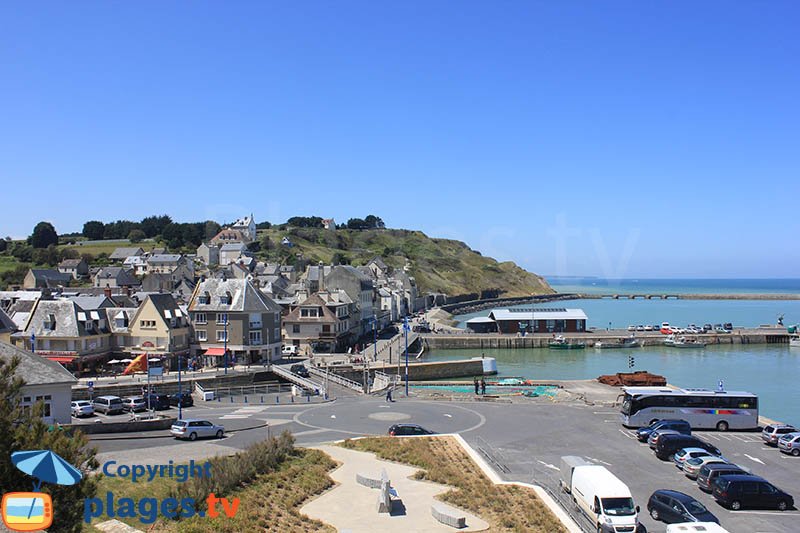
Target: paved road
[[524, 441]]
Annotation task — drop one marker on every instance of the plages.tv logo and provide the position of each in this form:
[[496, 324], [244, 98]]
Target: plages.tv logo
[[30, 511]]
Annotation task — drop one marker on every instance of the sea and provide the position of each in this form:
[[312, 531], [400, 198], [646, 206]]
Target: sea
[[770, 370]]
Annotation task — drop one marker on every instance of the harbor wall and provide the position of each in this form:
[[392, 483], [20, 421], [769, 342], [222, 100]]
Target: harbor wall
[[475, 341], [421, 371]]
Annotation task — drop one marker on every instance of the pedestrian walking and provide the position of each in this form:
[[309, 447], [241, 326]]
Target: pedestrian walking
[[483, 386], [389, 395], [477, 385]]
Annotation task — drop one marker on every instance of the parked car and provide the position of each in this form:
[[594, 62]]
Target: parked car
[[671, 506], [631, 328], [156, 401], [289, 349], [300, 370], [685, 454], [652, 440], [390, 330], [134, 404], [681, 426], [81, 408], [790, 443], [184, 399], [773, 432], [711, 471], [728, 326], [640, 327], [194, 428], [408, 429], [691, 467], [109, 405], [669, 444], [707, 328], [740, 491], [648, 327], [421, 329]]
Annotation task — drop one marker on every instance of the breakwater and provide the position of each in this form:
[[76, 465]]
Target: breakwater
[[478, 341], [689, 296], [472, 306]]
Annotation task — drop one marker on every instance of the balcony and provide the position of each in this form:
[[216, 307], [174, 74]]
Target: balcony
[[256, 325], [327, 334]]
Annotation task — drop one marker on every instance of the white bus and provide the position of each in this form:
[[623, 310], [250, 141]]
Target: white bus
[[702, 408]]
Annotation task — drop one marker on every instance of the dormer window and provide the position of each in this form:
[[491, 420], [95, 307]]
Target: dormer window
[[50, 323], [225, 299], [204, 298]]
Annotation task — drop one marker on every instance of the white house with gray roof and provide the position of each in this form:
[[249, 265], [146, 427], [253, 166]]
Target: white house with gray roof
[[45, 381]]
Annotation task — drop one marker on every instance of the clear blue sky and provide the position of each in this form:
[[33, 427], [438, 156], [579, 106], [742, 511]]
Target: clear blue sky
[[616, 139]]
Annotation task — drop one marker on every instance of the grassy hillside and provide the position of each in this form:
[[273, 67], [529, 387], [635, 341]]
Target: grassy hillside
[[439, 265]]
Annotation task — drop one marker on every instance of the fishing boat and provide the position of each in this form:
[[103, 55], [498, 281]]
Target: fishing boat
[[560, 343], [794, 341], [683, 342], [670, 340], [630, 342]]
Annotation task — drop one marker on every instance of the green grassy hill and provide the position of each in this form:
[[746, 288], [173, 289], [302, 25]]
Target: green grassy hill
[[439, 265]]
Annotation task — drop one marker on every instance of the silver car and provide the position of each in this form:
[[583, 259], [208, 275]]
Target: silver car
[[790, 443], [194, 428], [81, 408], [773, 432]]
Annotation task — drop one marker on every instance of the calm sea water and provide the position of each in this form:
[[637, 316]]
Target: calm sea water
[[772, 371], [673, 286]]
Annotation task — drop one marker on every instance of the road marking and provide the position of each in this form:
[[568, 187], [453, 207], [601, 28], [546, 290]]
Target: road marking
[[333, 416], [756, 459], [448, 416], [311, 432], [548, 465], [598, 461], [228, 417], [628, 434]]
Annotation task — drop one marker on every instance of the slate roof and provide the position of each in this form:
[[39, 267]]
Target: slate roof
[[50, 276], [164, 258], [122, 276], [66, 318], [123, 253], [70, 263], [245, 297], [90, 303], [35, 369], [537, 314], [233, 247], [378, 261], [312, 301], [113, 313], [6, 324]]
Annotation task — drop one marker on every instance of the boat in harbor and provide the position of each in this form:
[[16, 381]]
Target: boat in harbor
[[794, 341], [560, 343], [629, 342], [683, 342], [670, 340]]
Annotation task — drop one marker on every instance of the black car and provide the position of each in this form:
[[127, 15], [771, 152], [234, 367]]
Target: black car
[[681, 426], [669, 444], [408, 429], [156, 401], [184, 399], [740, 491], [299, 370], [673, 507]]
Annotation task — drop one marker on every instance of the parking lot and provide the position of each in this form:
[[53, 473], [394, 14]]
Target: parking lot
[[530, 448]]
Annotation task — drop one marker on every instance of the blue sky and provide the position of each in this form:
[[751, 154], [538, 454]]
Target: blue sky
[[607, 138]]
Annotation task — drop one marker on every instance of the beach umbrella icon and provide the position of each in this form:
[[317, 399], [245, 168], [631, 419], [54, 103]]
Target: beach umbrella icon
[[46, 466]]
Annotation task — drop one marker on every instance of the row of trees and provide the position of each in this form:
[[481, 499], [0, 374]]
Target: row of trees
[[370, 222], [174, 234]]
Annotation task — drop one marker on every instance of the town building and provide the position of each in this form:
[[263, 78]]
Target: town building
[[230, 252], [359, 287], [42, 278], [233, 314], [246, 225], [121, 254], [208, 254], [159, 328], [538, 320], [168, 263], [316, 325], [136, 264], [7, 327], [77, 268], [45, 381], [228, 235], [115, 277]]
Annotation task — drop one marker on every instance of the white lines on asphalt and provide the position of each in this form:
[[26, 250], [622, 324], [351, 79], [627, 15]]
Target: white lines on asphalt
[[604, 413], [333, 416], [756, 459], [628, 434], [448, 415], [598, 461], [311, 432], [548, 465], [229, 417]]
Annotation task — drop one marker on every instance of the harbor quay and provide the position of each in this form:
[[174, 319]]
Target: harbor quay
[[456, 339]]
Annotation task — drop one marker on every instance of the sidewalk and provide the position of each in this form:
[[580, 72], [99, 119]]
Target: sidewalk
[[353, 507]]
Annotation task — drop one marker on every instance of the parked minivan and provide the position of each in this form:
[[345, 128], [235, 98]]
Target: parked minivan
[[709, 472], [772, 433], [669, 444], [605, 500], [681, 426], [740, 491], [109, 405]]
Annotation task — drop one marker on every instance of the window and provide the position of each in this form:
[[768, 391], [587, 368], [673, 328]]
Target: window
[[202, 335], [296, 328], [147, 324], [225, 299], [200, 318], [255, 321], [326, 328], [50, 322], [222, 318], [255, 337], [222, 336], [277, 335], [204, 298]]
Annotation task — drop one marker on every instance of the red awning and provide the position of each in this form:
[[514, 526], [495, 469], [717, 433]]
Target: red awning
[[58, 359], [219, 352]]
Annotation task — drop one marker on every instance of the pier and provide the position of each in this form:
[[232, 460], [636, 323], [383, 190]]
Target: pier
[[479, 341], [687, 296]]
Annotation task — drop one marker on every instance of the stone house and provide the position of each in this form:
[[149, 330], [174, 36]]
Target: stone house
[[115, 277], [77, 268], [208, 254], [43, 278]]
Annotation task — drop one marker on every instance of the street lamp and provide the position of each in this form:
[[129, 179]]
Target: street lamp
[[180, 390], [225, 341], [405, 331]]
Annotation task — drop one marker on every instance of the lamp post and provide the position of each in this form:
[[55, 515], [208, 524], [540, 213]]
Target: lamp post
[[180, 390], [225, 344], [375, 336], [405, 331]]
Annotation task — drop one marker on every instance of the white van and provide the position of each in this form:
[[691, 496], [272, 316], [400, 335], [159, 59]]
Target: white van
[[289, 349], [605, 499], [696, 527]]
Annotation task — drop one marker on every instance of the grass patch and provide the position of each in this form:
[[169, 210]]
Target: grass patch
[[442, 460], [272, 480]]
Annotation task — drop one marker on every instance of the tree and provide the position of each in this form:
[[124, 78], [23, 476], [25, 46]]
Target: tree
[[266, 243], [46, 256], [3, 245], [154, 225], [356, 223], [211, 229], [264, 225], [15, 276], [23, 429], [44, 234], [340, 259], [173, 235], [136, 235], [94, 230], [374, 222]]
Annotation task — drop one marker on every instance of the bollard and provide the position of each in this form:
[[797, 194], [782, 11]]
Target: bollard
[[262, 399], [277, 399], [308, 399]]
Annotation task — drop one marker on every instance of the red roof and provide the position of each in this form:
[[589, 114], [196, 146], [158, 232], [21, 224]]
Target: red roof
[[216, 351]]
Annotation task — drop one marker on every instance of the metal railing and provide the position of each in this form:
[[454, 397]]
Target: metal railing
[[383, 381], [297, 380], [336, 378]]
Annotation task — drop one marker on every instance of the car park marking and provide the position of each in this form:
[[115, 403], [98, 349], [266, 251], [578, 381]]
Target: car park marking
[[756, 459], [598, 461], [448, 415], [548, 465], [628, 434]]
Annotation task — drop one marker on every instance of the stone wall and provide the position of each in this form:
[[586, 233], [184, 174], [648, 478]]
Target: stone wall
[[420, 371]]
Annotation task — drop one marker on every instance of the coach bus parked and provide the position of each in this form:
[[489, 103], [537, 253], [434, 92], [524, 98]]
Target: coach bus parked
[[702, 408]]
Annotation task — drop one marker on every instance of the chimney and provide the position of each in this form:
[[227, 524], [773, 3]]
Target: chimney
[[321, 276], [107, 291], [127, 290]]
